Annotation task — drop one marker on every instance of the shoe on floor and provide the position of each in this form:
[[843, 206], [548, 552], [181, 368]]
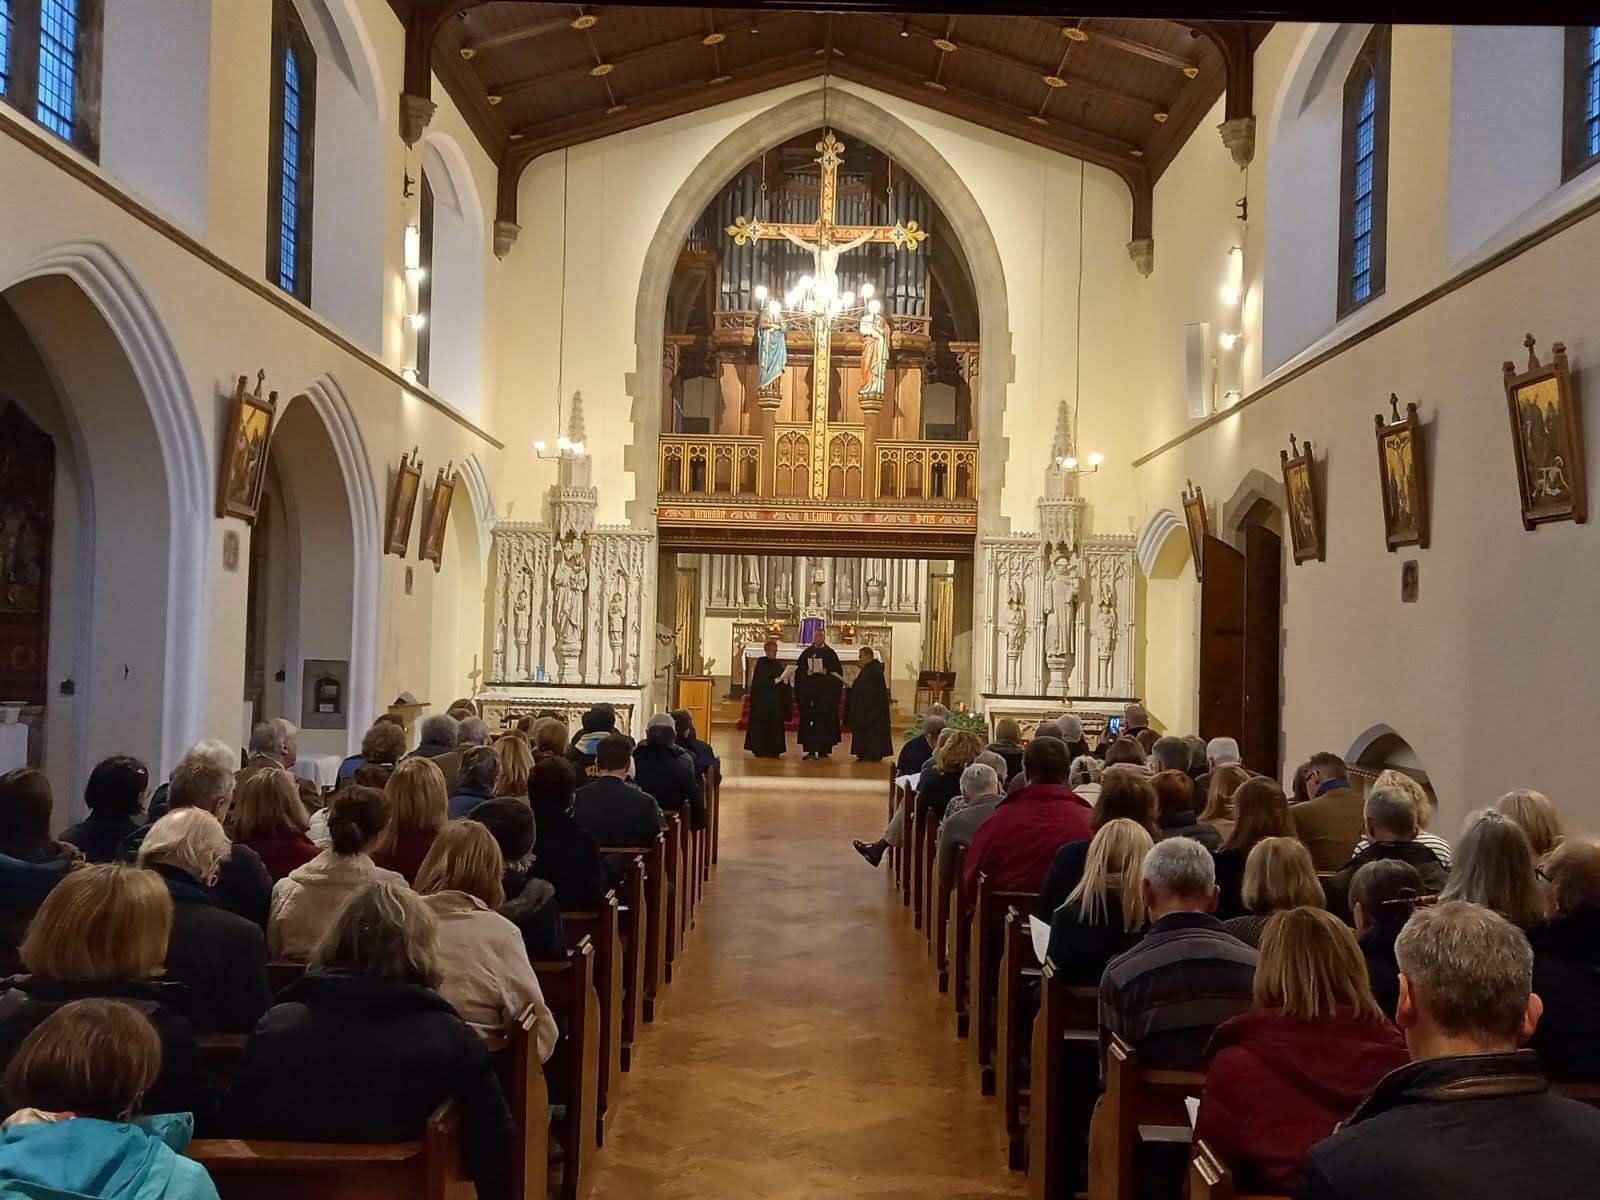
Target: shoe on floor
[[871, 851]]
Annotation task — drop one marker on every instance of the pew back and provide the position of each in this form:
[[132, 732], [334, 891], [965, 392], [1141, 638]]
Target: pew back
[[1145, 1106]]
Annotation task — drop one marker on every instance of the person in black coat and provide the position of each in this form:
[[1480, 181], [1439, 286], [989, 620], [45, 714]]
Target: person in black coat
[[705, 758], [31, 861], [243, 885], [771, 703], [218, 955], [867, 707], [1472, 1117], [1566, 963], [530, 903], [818, 686], [1383, 895], [666, 771], [362, 1048], [612, 810], [102, 934], [115, 796], [564, 855]]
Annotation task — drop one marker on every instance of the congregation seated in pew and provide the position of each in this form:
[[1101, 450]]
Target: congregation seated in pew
[[103, 934], [383, 745], [418, 801], [115, 796], [1329, 822], [363, 1048], [268, 816], [1390, 778], [1260, 811], [611, 808], [73, 1088], [1281, 1076], [31, 861], [530, 903], [218, 955], [1495, 867], [938, 784], [306, 901], [1383, 895], [1390, 823], [475, 782], [1566, 962], [980, 792], [666, 772], [565, 854], [1124, 794], [1104, 914], [485, 972], [1015, 845]]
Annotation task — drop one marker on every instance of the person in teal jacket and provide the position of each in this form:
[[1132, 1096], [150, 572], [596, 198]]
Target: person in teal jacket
[[75, 1083]]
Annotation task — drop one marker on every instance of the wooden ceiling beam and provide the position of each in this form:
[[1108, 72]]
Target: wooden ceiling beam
[[523, 33], [424, 23], [1035, 71], [1189, 66]]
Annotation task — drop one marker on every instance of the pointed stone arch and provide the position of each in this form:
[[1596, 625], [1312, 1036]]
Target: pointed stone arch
[[1163, 523], [1256, 486]]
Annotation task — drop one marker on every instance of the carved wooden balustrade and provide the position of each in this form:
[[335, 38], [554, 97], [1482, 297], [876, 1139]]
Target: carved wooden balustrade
[[707, 465]]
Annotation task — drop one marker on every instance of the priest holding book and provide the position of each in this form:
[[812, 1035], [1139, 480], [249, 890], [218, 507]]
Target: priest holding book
[[818, 685]]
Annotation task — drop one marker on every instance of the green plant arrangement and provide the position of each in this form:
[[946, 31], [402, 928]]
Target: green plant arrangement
[[970, 720]]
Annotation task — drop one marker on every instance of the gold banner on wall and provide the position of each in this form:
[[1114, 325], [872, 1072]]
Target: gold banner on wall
[[686, 621], [942, 624]]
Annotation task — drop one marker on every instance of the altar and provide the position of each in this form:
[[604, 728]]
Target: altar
[[1028, 711], [500, 704], [789, 652]]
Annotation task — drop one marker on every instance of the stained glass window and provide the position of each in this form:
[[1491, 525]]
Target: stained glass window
[[1364, 174], [292, 144], [5, 47], [1361, 210], [58, 65], [1591, 108], [289, 183]]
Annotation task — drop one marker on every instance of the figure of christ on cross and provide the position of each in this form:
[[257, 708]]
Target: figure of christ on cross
[[826, 241]]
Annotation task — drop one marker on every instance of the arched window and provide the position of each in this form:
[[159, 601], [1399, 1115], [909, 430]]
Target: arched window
[[50, 66], [1364, 175], [1581, 140], [424, 331], [293, 141]]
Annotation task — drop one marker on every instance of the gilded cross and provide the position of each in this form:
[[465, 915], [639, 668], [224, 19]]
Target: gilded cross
[[825, 240]]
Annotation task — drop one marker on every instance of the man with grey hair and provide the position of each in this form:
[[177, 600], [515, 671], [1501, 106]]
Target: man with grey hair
[[1070, 727], [275, 744], [666, 770], [1220, 751], [472, 731], [1472, 1117], [980, 793], [1168, 994], [439, 738], [1169, 754], [919, 749], [1391, 826]]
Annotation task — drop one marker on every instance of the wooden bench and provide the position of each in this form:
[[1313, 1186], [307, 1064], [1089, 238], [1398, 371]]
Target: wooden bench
[[1587, 1093], [1019, 975], [602, 928], [428, 1169], [961, 946], [988, 935], [927, 853], [282, 972], [1066, 1038], [713, 819], [568, 988], [632, 919], [677, 890], [654, 918], [939, 923], [516, 1062], [1145, 1106], [1210, 1179], [908, 844], [894, 799]]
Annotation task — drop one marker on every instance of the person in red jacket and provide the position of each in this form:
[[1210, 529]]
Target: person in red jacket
[[1283, 1075], [1015, 845]]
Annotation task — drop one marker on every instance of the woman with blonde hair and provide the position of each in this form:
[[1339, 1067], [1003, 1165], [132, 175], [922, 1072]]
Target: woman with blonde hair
[[1105, 913], [305, 901], [957, 750], [487, 975], [419, 806], [102, 934], [268, 817], [1221, 785], [1418, 795], [1260, 810], [1283, 1075], [1278, 875], [549, 738], [1537, 817], [1495, 867], [516, 763], [219, 956], [363, 1048]]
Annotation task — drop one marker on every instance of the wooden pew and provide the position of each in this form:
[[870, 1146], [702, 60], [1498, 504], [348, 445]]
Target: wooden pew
[[925, 856], [1210, 1179], [939, 922], [961, 947], [568, 988], [894, 800], [632, 919], [602, 928], [988, 934], [1019, 971], [908, 845], [654, 918], [429, 1169], [677, 892], [282, 972], [1066, 1038], [1145, 1106], [917, 834], [516, 1062], [1587, 1093], [714, 817]]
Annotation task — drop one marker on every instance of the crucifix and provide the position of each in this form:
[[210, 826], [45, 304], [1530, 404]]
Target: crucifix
[[825, 240]]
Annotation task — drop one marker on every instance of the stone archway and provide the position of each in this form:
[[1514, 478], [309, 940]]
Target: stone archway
[[1255, 487], [852, 116]]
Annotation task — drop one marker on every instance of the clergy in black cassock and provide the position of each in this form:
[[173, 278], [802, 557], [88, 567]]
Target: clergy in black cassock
[[868, 710], [818, 684], [770, 704]]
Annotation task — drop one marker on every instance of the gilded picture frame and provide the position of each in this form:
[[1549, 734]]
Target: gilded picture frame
[[1547, 439], [1402, 477], [1299, 465], [403, 504], [1199, 525], [243, 471], [436, 517]]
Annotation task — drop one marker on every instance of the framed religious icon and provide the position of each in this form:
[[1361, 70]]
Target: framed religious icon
[[403, 504], [1300, 494], [436, 516], [244, 454], [1194, 516], [1402, 477], [1547, 438]]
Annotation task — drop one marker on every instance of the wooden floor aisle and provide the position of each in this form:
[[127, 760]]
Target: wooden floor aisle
[[803, 1049]]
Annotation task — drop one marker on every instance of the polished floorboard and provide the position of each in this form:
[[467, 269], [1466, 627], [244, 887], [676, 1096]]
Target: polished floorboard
[[803, 1049]]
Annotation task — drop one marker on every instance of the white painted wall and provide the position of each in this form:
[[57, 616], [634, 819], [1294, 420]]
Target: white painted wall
[[455, 338]]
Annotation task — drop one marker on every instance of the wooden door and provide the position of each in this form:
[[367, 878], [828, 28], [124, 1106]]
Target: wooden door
[[1263, 630], [1222, 641]]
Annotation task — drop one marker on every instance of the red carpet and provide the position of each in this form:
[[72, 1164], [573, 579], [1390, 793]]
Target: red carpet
[[793, 722]]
